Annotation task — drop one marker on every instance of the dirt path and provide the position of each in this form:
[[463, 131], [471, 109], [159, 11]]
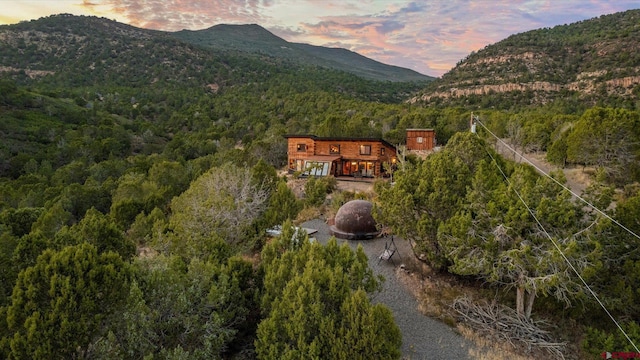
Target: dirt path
[[577, 179]]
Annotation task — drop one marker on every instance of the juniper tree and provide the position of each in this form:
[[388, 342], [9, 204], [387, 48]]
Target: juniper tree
[[494, 236], [429, 194], [315, 304], [58, 305]]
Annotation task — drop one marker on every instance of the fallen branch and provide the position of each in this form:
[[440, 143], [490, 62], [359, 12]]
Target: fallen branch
[[503, 324]]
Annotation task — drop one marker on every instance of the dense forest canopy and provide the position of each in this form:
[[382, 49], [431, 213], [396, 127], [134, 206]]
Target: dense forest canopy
[[147, 165]]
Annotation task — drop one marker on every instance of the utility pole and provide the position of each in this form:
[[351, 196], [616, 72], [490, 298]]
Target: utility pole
[[472, 122]]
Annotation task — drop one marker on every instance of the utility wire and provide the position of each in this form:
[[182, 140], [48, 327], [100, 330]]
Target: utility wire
[[555, 244], [559, 183]]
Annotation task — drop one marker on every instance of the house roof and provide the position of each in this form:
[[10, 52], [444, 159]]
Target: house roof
[[338, 138], [323, 158]]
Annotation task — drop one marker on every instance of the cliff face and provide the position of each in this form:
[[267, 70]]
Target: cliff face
[[586, 85], [593, 60]]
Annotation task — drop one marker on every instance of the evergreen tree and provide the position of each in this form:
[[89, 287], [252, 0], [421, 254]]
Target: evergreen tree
[[58, 305], [315, 304], [198, 310], [429, 194], [218, 210], [495, 237]]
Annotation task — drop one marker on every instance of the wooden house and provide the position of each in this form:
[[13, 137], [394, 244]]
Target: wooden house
[[421, 139], [321, 156]]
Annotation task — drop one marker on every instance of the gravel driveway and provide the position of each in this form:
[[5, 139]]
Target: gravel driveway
[[422, 336]]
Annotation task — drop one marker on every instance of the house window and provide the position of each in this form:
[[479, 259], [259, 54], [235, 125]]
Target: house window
[[302, 147], [382, 151], [334, 149], [317, 168], [365, 149], [419, 140]]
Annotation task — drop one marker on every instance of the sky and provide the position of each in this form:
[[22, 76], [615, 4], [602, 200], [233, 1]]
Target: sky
[[428, 36]]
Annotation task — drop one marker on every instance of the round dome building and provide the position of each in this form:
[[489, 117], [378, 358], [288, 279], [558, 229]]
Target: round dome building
[[354, 221]]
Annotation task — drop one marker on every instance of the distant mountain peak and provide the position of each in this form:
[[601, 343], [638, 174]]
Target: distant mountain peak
[[254, 39]]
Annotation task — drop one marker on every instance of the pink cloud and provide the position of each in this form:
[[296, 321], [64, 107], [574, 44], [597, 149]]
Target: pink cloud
[[172, 15], [421, 35]]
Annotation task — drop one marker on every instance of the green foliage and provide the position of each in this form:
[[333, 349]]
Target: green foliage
[[78, 199], [283, 205], [220, 207], [288, 255], [53, 219], [599, 341], [622, 262], [493, 236], [424, 197], [19, 221], [128, 143], [137, 193], [606, 138], [58, 305], [557, 153], [365, 331], [100, 231], [8, 271], [264, 176], [27, 250], [141, 231], [171, 176], [315, 303], [317, 188], [201, 310]]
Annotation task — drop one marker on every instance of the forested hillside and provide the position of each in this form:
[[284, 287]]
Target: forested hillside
[[592, 62], [254, 39], [138, 174]]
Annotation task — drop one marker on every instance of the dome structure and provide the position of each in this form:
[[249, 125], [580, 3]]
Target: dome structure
[[353, 221]]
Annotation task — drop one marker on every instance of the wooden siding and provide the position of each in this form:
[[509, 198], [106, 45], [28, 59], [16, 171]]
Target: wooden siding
[[293, 152], [349, 151], [421, 139]]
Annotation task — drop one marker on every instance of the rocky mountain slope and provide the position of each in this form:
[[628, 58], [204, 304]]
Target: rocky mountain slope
[[594, 61]]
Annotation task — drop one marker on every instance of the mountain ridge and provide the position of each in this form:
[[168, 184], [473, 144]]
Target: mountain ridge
[[253, 38], [586, 61], [61, 37]]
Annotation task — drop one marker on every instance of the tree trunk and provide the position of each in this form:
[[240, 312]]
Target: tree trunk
[[530, 299], [520, 301]]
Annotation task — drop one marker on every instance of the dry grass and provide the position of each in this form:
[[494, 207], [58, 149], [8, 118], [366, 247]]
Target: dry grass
[[578, 177], [488, 349], [577, 174], [309, 213]]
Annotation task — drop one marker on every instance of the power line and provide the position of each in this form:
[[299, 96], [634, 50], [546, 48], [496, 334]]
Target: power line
[[559, 183], [555, 244]]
